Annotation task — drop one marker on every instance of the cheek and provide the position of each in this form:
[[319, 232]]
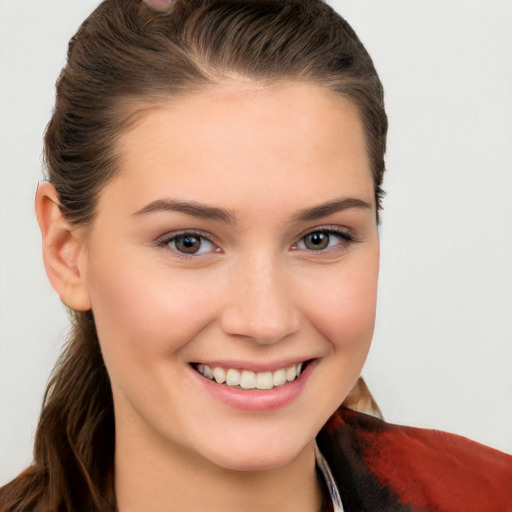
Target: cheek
[[343, 304], [143, 311]]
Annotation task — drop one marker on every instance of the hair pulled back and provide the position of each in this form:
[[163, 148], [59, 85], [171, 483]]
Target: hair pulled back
[[123, 60]]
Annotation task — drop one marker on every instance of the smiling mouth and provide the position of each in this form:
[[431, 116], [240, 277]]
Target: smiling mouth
[[248, 379]]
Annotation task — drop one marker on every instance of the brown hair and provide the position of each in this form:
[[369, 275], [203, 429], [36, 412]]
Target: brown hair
[[122, 56]]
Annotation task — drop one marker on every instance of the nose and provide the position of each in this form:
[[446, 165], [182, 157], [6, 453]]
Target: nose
[[260, 302]]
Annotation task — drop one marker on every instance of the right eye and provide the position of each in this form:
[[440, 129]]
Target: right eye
[[188, 243]]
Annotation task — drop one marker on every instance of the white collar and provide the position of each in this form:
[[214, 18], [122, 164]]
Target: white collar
[[329, 480]]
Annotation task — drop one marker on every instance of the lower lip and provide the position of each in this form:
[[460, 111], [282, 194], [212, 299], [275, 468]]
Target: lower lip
[[255, 399]]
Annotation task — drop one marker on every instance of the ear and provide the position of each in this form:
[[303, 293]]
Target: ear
[[64, 252]]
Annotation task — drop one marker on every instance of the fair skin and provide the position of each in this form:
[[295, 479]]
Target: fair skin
[[160, 6], [283, 270]]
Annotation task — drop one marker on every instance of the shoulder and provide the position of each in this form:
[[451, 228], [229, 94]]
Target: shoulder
[[380, 466]]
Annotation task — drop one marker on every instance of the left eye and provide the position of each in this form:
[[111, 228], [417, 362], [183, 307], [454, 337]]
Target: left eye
[[190, 244], [323, 239]]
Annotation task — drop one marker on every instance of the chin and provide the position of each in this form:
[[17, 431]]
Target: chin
[[263, 454]]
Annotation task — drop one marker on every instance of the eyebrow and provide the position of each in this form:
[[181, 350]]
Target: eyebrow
[[219, 214], [325, 209], [190, 208]]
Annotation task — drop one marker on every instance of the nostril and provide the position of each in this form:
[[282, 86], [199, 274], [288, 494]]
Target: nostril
[[259, 305]]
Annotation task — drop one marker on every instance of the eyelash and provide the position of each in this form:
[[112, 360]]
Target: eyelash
[[170, 238], [346, 238]]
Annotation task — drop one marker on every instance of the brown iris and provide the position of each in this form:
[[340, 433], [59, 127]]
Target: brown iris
[[316, 241], [188, 244]]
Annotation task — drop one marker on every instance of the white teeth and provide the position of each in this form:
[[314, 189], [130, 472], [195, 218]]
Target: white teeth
[[247, 379], [291, 373], [264, 380], [207, 371], [232, 377], [219, 374], [279, 377]]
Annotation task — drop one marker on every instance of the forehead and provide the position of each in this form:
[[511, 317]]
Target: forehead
[[242, 140]]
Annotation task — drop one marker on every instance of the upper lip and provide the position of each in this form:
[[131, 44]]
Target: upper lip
[[254, 366]]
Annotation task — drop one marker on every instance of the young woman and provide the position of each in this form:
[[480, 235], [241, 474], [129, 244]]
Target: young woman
[[210, 220]]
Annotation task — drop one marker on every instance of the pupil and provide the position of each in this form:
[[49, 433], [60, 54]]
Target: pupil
[[317, 241], [188, 244]]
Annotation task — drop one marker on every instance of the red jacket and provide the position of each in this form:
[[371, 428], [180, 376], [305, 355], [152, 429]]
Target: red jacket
[[381, 467]]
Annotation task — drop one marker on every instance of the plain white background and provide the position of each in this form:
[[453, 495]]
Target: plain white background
[[442, 353]]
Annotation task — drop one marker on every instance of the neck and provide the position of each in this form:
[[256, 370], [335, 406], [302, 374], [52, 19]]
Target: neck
[[155, 476]]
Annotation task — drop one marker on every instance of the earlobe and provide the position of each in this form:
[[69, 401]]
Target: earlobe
[[63, 250]]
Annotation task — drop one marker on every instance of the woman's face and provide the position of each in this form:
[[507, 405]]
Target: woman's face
[[239, 239]]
